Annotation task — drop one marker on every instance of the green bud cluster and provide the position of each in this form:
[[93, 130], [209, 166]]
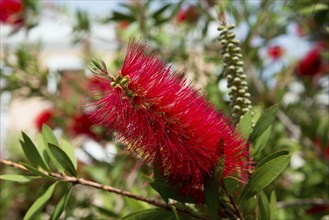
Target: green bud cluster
[[234, 72], [122, 81], [98, 67]]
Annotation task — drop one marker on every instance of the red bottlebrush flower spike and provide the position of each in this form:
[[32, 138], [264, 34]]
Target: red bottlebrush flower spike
[[275, 52], [82, 125], [11, 12], [188, 15], [312, 64], [44, 118], [167, 123]]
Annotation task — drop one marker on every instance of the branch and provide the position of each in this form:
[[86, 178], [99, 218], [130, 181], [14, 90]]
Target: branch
[[303, 202], [96, 185]]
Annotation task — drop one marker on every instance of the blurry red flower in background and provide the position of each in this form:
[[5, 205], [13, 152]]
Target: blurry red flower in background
[[166, 122], [123, 24], [81, 125], [44, 118], [312, 63], [275, 52], [11, 12], [189, 15]]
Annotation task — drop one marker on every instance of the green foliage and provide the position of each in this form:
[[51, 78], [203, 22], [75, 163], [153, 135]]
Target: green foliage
[[62, 158], [166, 190], [68, 164], [245, 124], [302, 125], [40, 202], [263, 123], [211, 191], [17, 178], [61, 204], [267, 171], [32, 153], [263, 206]]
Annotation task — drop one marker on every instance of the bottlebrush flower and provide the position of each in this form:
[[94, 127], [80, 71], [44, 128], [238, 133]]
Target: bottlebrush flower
[[122, 25], [311, 64], [11, 12], [81, 125], [167, 123], [189, 15], [44, 118], [275, 52]]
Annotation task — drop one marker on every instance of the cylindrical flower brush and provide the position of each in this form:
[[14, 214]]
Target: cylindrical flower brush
[[166, 122]]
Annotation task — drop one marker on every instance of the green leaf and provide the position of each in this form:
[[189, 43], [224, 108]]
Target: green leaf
[[263, 206], [173, 209], [61, 205], [167, 191], [49, 136], [64, 160], [273, 207], [17, 178], [68, 149], [263, 123], [118, 16], [40, 203], [41, 147], [32, 153], [261, 141], [211, 190], [314, 8], [271, 167], [159, 12], [232, 185], [37, 172], [273, 156], [245, 125]]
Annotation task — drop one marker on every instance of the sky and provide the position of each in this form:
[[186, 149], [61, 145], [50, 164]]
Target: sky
[[92, 6]]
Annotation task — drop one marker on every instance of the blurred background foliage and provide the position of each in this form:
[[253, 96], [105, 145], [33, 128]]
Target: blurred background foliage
[[285, 54]]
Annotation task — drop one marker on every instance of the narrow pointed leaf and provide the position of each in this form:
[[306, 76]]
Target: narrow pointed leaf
[[273, 207], [37, 172], [48, 135], [261, 141], [32, 153], [231, 185], [263, 206], [173, 208], [60, 207], [40, 203], [68, 149], [245, 125], [49, 138], [64, 160], [160, 11], [211, 191], [265, 174], [273, 156], [43, 150], [17, 178], [263, 122]]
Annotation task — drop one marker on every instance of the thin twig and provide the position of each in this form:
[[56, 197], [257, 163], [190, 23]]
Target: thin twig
[[96, 185], [303, 202]]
